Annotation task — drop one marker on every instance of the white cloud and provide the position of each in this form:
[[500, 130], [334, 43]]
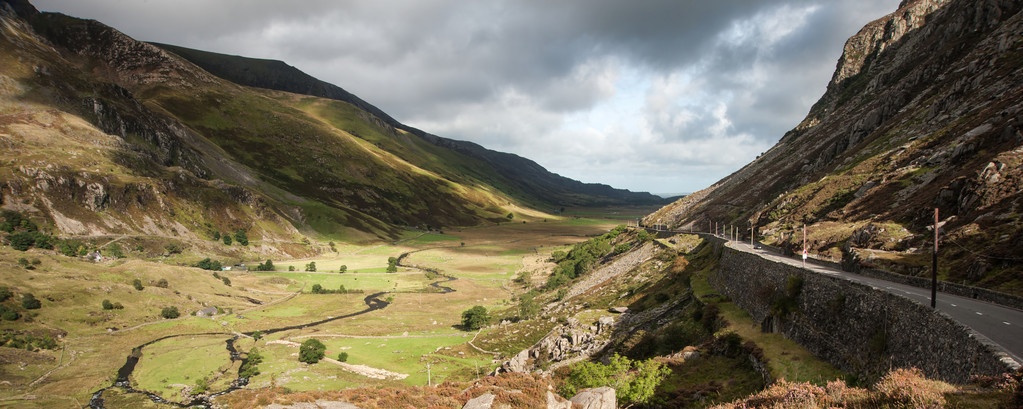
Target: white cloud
[[661, 95]]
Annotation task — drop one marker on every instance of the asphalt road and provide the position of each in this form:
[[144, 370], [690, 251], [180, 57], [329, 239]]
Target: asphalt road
[[1002, 325]]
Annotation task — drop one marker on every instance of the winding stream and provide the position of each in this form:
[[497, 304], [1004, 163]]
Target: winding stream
[[372, 301]]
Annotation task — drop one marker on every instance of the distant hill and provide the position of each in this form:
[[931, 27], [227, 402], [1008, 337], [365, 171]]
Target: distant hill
[[924, 111], [525, 175], [106, 135]]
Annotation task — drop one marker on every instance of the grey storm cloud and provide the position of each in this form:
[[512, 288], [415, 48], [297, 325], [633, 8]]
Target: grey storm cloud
[[519, 75]]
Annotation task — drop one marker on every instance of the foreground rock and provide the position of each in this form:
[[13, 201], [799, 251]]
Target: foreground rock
[[596, 398]]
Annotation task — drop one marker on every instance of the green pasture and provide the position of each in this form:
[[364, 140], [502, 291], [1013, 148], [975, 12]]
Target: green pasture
[[169, 366], [401, 281]]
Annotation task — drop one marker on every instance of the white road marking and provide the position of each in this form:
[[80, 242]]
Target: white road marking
[[1006, 323], [954, 305], [979, 313]]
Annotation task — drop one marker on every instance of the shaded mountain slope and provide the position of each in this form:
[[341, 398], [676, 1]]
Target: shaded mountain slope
[[924, 110], [513, 173], [106, 135]]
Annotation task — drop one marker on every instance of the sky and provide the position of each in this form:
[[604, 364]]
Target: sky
[[663, 96]]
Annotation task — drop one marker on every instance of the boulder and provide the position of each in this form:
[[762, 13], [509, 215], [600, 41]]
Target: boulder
[[596, 398], [619, 310], [557, 402], [484, 401]]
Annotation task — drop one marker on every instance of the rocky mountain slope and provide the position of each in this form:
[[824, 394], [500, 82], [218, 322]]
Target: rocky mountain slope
[[924, 111], [106, 135]]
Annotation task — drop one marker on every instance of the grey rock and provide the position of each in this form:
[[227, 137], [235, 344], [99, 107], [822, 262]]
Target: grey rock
[[596, 398], [484, 401], [557, 402]]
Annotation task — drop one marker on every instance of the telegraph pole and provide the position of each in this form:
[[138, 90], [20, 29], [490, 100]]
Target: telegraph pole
[[804, 246], [934, 263]]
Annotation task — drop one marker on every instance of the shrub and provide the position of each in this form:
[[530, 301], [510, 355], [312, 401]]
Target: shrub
[[115, 250], [21, 241], [170, 312], [29, 302], [8, 314], [267, 266], [227, 281], [137, 284], [343, 269], [475, 318], [311, 351], [257, 335], [291, 268], [162, 283], [172, 249], [107, 305], [227, 239], [317, 289], [634, 381], [5, 293], [311, 266], [342, 357]]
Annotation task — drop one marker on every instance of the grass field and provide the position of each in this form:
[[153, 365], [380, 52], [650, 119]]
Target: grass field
[[423, 326]]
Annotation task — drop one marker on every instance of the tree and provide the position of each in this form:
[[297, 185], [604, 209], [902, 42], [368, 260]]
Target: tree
[[107, 305], [510, 216], [137, 284], [311, 351], [227, 239], [528, 307], [291, 268], [267, 266], [633, 381], [216, 236], [170, 312], [311, 266], [248, 368], [392, 265], [209, 264], [241, 237], [256, 335], [29, 302], [317, 289], [475, 318], [343, 269], [342, 357]]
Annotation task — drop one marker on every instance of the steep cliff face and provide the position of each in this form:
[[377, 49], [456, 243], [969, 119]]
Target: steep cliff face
[[924, 110]]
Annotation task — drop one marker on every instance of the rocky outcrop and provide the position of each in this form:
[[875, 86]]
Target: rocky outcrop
[[924, 110], [570, 341], [484, 401]]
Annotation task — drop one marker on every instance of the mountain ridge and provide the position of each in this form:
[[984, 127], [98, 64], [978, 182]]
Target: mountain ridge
[[921, 113]]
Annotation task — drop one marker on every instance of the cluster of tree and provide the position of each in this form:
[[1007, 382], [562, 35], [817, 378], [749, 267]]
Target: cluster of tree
[[311, 266], [24, 240], [240, 236], [170, 312], [209, 264], [392, 264], [311, 351], [581, 258], [634, 382], [267, 266], [23, 233], [107, 305], [475, 318], [249, 365], [27, 341], [318, 289]]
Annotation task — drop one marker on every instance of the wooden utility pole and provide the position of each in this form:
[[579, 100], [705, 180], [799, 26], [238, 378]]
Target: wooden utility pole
[[805, 255], [751, 232], [934, 264], [428, 380]]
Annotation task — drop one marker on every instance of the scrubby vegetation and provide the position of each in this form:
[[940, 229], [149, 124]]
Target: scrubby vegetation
[[634, 381]]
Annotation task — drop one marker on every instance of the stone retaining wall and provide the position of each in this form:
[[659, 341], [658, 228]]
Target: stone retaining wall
[[855, 327]]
